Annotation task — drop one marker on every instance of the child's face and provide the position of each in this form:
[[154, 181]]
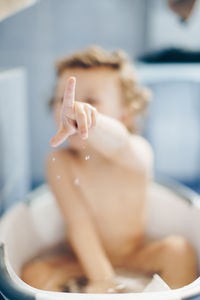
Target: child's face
[[99, 87]]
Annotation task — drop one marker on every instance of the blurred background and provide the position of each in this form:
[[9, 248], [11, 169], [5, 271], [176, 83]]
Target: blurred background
[[161, 36]]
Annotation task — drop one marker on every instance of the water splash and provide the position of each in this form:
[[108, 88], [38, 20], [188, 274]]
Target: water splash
[[76, 181], [87, 157]]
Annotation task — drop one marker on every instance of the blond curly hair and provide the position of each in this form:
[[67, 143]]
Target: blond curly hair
[[134, 95]]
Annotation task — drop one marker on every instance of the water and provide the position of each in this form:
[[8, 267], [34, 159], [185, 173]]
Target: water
[[53, 159], [58, 177], [87, 157], [120, 286]]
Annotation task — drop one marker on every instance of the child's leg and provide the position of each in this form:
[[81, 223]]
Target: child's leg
[[51, 273], [173, 258]]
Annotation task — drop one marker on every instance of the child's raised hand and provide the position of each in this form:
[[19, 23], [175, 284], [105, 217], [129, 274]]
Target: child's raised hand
[[75, 116]]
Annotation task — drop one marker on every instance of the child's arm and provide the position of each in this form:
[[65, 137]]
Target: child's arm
[[80, 228], [111, 138], [107, 135]]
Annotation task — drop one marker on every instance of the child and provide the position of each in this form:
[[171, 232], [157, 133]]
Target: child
[[100, 180]]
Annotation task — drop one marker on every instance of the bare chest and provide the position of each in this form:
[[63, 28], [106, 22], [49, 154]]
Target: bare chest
[[115, 196]]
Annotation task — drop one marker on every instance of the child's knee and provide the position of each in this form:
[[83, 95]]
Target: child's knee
[[179, 261], [178, 243], [180, 250]]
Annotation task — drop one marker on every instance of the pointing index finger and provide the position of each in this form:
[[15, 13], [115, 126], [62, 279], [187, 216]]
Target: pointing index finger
[[69, 93]]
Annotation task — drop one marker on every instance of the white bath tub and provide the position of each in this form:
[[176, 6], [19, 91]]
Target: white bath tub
[[36, 224]]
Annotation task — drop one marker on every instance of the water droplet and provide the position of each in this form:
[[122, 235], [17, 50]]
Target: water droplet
[[58, 177], [76, 181], [87, 157], [53, 159]]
